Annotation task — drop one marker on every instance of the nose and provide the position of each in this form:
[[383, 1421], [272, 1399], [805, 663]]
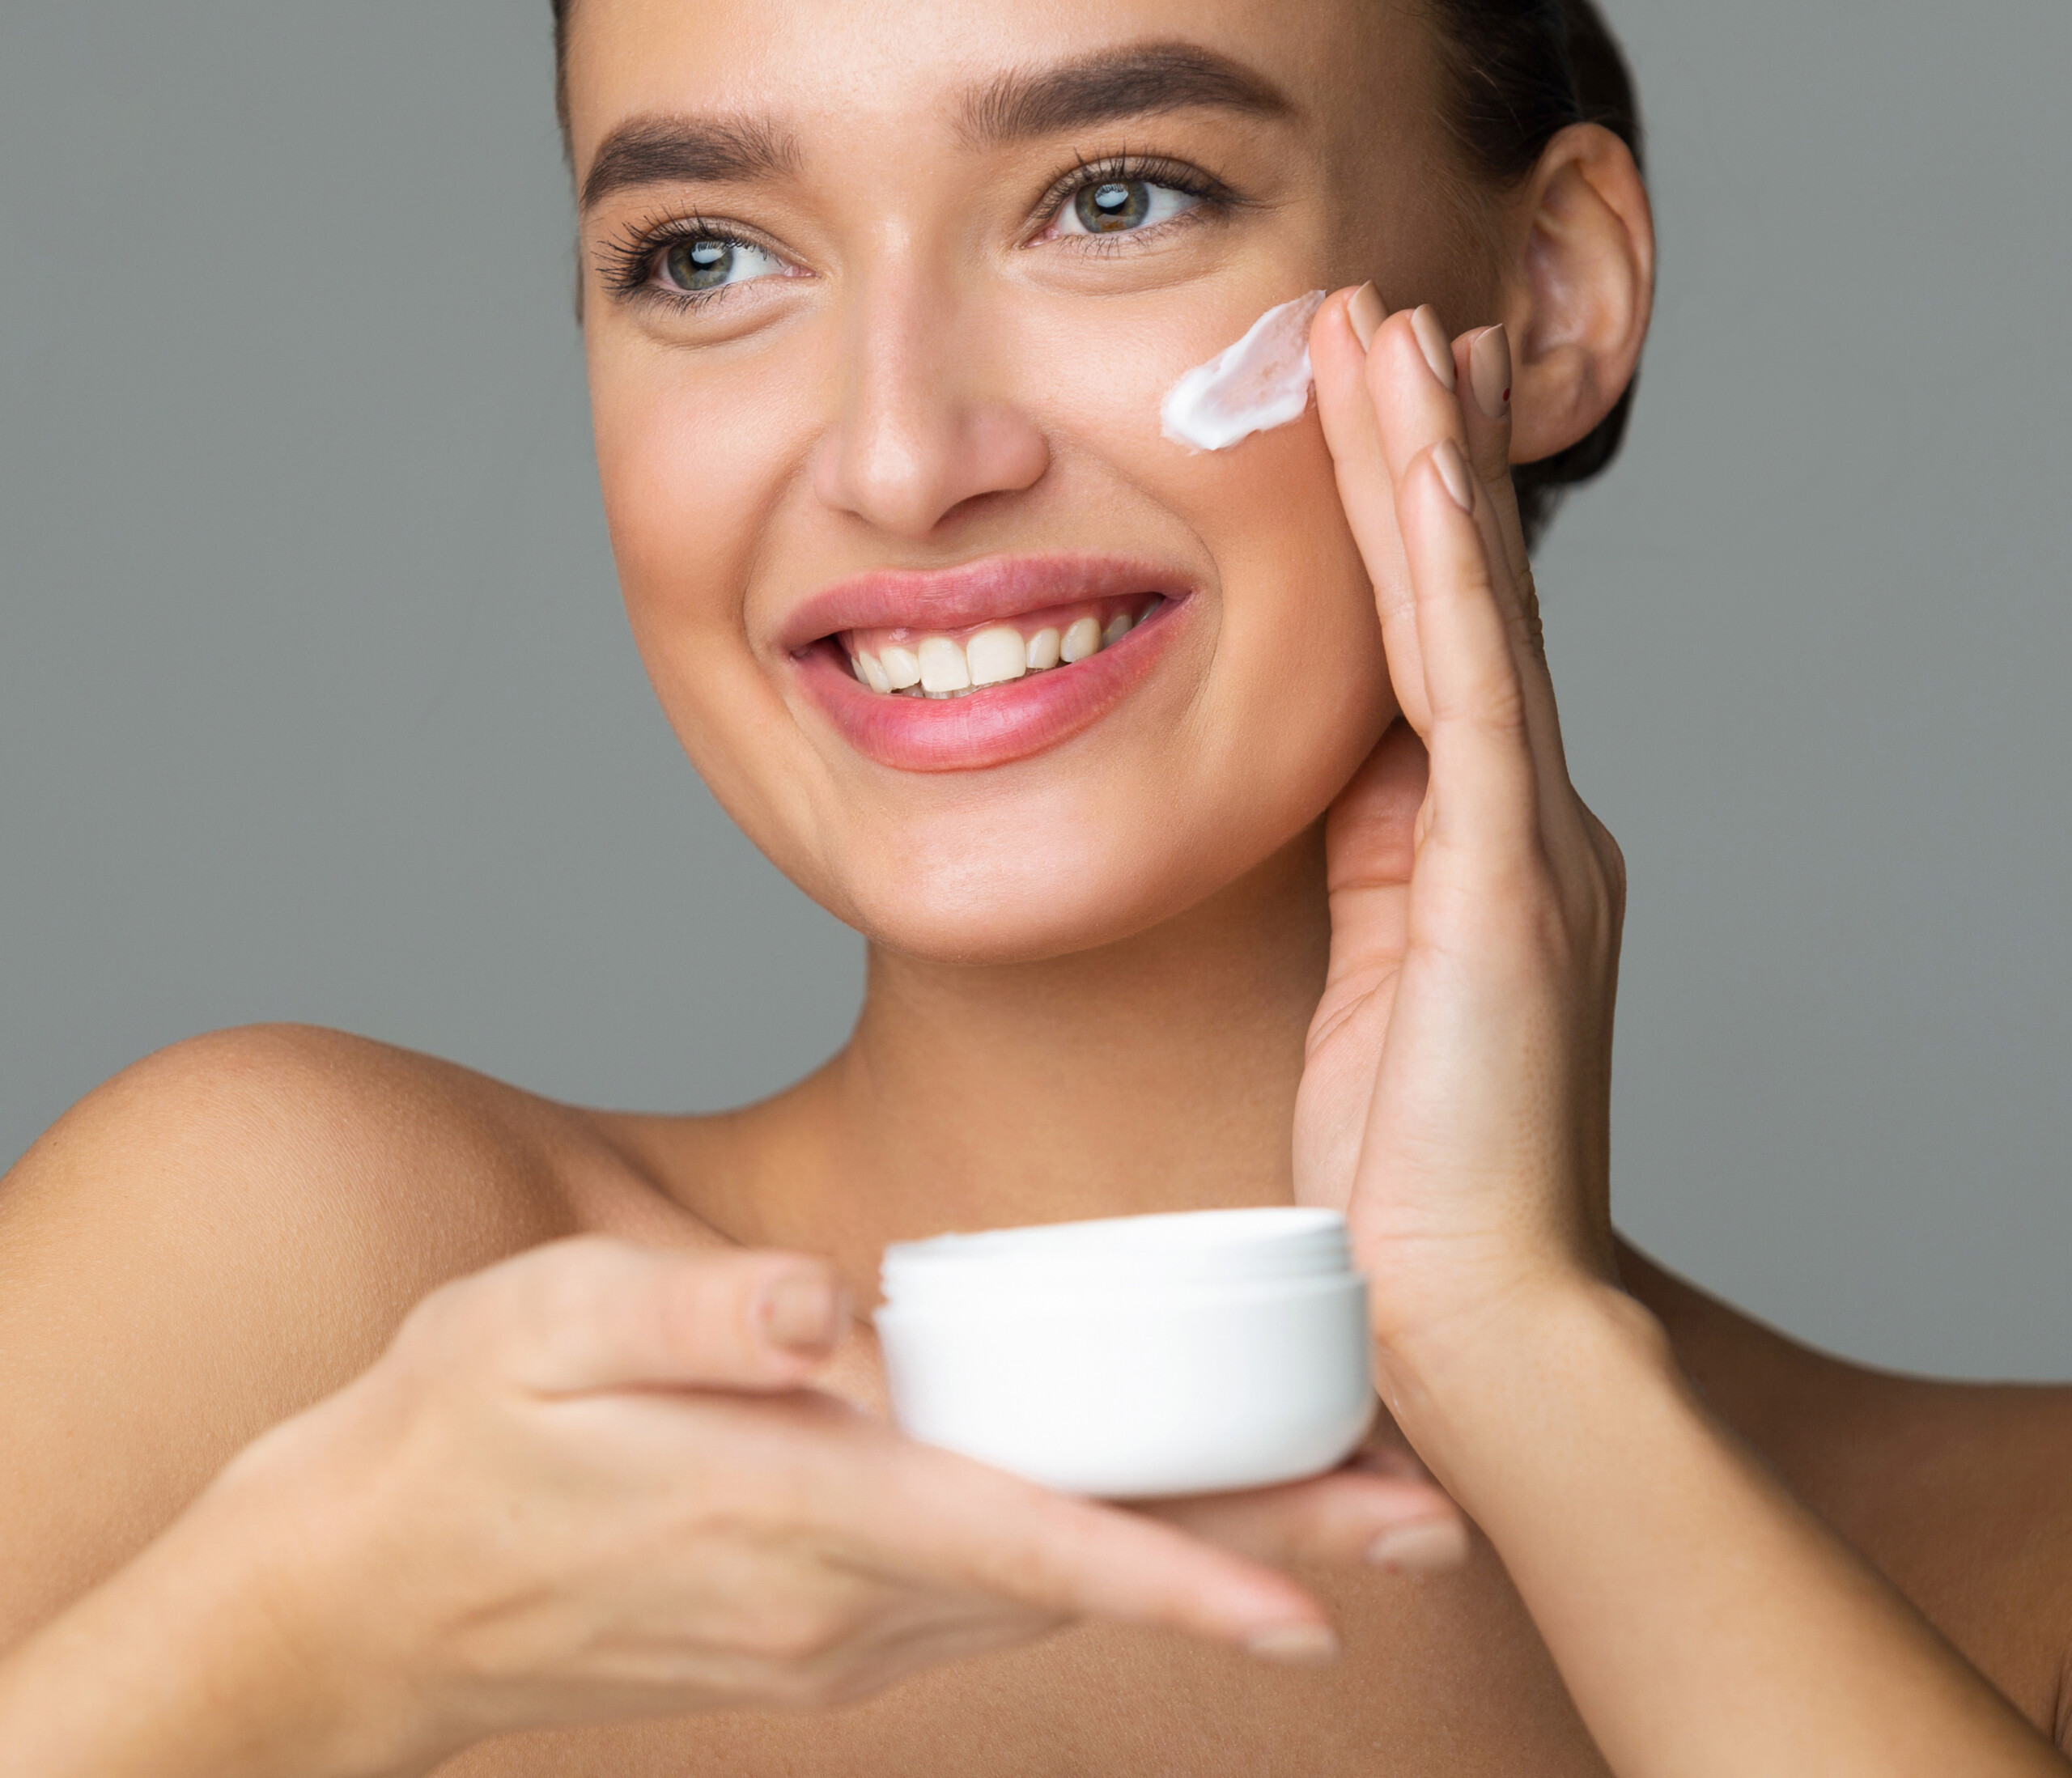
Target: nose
[[925, 420]]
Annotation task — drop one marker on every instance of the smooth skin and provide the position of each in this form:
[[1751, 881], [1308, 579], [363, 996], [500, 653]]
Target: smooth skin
[[364, 1416]]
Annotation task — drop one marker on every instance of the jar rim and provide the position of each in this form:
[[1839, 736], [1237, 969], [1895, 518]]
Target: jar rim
[[1267, 1242]]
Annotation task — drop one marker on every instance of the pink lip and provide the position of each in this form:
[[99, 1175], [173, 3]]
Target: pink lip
[[1001, 722]]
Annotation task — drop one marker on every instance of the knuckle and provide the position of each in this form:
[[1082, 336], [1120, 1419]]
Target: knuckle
[[447, 1323], [710, 1311], [568, 1283]]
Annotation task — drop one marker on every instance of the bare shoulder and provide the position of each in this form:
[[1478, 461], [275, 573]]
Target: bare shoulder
[[214, 1239], [1960, 1493]]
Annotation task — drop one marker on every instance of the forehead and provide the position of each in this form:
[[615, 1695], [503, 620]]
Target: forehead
[[918, 66]]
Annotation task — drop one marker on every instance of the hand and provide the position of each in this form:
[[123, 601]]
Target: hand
[[1456, 1095], [592, 1482]]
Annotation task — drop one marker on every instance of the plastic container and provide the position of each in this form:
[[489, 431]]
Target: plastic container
[[1138, 1355]]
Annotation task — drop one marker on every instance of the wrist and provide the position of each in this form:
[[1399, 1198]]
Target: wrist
[[308, 1630], [1473, 1391], [182, 1664]]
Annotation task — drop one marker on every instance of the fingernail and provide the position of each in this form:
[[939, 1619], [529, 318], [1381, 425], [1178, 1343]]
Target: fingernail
[[1439, 349], [1294, 1644], [801, 1313], [1422, 1547], [1489, 371], [1366, 313], [1453, 470]]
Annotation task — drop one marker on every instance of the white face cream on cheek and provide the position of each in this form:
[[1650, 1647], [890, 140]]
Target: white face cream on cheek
[[1261, 382], [1136, 1355]]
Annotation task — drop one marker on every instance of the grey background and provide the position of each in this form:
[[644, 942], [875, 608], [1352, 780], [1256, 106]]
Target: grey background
[[316, 702]]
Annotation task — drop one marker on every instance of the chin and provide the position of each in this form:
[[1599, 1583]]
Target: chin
[[993, 898]]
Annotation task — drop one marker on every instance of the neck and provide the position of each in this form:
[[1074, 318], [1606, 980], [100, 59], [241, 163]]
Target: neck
[[1156, 1073]]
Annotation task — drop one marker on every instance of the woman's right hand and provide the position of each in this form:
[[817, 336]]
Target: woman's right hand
[[593, 1482]]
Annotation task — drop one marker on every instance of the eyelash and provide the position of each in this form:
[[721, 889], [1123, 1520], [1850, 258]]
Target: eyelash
[[626, 263]]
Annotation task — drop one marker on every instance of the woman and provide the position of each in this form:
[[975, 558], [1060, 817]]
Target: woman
[[346, 1461]]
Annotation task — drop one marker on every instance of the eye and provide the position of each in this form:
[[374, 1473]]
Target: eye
[[698, 264], [1116, 207]]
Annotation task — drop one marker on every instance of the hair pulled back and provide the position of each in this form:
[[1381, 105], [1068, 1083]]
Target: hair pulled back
[[1522, 71]]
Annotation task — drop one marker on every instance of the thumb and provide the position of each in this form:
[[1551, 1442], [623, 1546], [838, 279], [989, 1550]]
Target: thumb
[[599, 1314]]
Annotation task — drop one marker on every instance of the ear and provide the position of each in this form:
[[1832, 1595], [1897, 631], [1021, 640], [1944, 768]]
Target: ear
[[1581, 288]]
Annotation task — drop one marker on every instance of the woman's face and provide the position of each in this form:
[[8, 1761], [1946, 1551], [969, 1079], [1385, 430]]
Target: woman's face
[[881, 301]]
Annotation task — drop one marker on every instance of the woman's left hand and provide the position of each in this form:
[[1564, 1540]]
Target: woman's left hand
[[1456, 1094], [1705, 1623]]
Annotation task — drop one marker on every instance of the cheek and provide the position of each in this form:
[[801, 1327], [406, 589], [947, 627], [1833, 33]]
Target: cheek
[[1295, 690], [692, 463], [689, 461]]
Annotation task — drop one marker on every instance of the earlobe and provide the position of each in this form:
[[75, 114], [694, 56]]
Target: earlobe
[[1583, 288]]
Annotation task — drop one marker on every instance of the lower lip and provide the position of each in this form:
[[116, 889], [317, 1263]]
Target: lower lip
[[995, 726]]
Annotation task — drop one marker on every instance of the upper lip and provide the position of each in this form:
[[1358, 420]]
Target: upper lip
[[973, 592]]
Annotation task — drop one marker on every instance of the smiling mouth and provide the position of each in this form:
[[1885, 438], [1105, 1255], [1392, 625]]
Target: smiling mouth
[[994, 660], [955, 663]]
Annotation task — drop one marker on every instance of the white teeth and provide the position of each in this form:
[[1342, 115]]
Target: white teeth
[[996, 656], [1081, 639], [943, 668], [902, 667], [939, 666]]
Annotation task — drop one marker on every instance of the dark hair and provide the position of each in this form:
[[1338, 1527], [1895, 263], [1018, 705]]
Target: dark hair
[[1522, 71]]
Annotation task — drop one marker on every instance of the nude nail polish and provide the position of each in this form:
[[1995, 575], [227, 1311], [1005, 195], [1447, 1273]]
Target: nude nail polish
[[1423, 1547], [1453, 470], [1438, 350], [801, 1314], [1489, 371], [1366, 312]]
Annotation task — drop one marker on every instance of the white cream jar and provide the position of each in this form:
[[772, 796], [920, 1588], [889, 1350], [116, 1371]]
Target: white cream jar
[[1137, 1356]]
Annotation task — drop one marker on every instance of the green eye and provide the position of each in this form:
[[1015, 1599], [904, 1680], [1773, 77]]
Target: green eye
[[1113, 205], [1122, 205], [699, 265]]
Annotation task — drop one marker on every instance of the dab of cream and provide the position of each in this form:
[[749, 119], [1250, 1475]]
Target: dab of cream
[[1261, 382]]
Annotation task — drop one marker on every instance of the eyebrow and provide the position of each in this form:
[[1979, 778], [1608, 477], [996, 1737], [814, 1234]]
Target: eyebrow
[[1105, 88], [682, 151], [1140, 82]]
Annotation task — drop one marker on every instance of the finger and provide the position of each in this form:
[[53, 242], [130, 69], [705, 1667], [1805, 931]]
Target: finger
[[1483, 368], [1338, 358], [1412, 384], [595, 1313], [1424, 390], [974, 1527], [1483, 767], [1369, 837], [1348, 1517], [1370, 848]]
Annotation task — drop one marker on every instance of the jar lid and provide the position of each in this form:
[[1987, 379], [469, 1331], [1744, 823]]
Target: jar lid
[[1121, 1253]]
